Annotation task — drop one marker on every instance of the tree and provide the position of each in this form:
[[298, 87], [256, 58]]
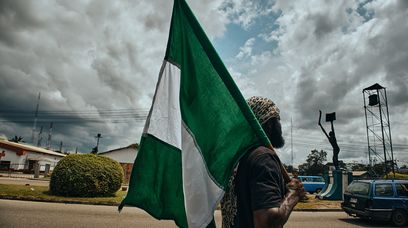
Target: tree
[[341, 165], [314, 163], [359, 167], [378, 169], [290, 168], [16, 139]]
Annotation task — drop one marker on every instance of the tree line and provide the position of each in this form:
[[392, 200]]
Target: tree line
[[316, 165]]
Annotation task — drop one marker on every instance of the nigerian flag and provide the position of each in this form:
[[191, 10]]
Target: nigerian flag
[[198, 127]]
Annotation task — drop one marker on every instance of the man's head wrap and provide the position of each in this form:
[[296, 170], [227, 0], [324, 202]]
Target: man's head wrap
[[263, 108]]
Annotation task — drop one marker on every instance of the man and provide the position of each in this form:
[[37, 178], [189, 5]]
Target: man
[[258, 195]]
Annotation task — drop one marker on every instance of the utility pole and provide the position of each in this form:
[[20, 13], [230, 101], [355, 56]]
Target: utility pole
[[291, 140], [35, 118], [60, 149], [95, 149]]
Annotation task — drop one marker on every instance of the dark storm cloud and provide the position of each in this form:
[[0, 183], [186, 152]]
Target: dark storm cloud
[[110, 75], [16, 17], [324, 24], [78, 60], [84, 57], [395, 60]]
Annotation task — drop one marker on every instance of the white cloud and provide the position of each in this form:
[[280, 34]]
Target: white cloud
[[210, 16], [246, 50], [245, 12]]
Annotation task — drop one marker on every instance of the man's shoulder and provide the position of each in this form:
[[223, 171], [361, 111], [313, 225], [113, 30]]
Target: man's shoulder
[[259, 154], [261, 151]]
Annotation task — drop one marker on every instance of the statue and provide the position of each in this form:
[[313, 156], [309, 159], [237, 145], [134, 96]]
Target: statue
[[331, 137]]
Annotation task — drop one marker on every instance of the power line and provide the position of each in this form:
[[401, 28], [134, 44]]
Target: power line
[[106, 115]]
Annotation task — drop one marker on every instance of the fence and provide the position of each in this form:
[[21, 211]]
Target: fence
[[21, 170]]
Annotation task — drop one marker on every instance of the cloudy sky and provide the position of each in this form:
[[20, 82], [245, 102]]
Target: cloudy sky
[[96, 62]]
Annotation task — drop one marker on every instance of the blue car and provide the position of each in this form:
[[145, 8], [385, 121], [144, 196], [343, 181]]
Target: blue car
[[378, 200], [312, 184]]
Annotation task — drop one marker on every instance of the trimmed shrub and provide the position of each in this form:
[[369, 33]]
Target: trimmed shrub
[[86, 175]]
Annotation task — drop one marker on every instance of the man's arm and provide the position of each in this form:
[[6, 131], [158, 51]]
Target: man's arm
[[278, 216], [320, 124]]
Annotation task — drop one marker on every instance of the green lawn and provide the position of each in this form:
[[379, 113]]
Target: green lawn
[[313, 203], [41, 193]]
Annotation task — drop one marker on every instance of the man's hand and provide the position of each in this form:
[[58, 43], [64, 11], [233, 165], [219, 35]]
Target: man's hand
[[296, 188], [278, 216]]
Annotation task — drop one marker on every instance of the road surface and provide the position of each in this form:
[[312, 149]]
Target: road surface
[[20, 214]]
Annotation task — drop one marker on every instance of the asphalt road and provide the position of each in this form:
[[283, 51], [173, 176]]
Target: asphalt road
[[22, 214]]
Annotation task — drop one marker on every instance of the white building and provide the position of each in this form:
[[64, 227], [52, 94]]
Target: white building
[[23, 157], [125, 156]]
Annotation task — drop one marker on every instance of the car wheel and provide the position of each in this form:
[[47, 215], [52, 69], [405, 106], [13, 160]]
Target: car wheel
[[399, 217]]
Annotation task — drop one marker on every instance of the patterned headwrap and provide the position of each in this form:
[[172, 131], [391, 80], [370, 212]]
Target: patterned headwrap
[[263, 108]]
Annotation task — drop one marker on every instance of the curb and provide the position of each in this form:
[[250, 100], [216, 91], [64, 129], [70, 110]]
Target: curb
[[318, 209], [37, 179], [62, 201]]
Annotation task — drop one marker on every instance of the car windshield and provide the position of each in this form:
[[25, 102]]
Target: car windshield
[[361, 188], [311, 179]]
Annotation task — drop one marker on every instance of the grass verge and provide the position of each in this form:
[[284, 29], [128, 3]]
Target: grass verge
[[313, 203], [41, 193]]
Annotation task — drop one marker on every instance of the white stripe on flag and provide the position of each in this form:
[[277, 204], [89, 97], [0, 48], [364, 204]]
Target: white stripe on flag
[[200, 192], [164, 121]]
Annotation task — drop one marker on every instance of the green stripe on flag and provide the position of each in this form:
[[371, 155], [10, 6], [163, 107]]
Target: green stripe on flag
[[156, 181], [211, 105]]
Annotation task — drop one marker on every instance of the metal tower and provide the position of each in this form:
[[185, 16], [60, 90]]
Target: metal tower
[[378, 127]]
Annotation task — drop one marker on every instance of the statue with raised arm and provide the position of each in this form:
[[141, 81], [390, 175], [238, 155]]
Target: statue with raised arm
[[332, 139]]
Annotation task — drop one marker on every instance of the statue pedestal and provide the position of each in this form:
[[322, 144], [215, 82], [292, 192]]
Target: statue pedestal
[[336, 183]]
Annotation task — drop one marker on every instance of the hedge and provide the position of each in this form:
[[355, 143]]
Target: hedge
[[86, 175]]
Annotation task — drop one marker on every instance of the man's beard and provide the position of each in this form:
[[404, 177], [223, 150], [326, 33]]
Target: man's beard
[[273, 130], [276, 139]]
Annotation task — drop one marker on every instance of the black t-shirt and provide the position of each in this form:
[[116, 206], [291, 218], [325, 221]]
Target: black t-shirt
[[259, 184]]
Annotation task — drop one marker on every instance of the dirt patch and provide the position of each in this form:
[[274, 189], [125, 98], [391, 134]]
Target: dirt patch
[[313, 203]]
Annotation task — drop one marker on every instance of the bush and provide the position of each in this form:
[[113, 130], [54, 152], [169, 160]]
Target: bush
[[86, 175], [399, 176]]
